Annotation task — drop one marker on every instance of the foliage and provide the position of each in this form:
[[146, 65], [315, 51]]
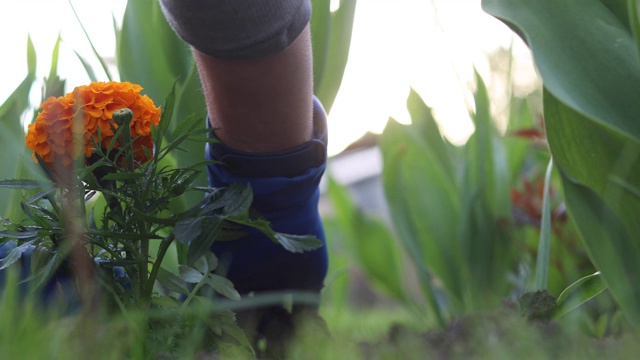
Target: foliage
[[65, 231], [331, 41], [11, 136], [450, 207], [587, 55], [369, 240], [25, 324], [467, 217]]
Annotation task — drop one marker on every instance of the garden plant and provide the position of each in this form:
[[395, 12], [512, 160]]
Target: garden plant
[[108, 139]]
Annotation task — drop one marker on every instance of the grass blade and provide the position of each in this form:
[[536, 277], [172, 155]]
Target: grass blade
[[544, 246], [579, 293], [93, 48]]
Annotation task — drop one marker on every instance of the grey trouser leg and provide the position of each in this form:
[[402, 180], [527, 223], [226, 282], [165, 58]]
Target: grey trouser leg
[[238, 29]]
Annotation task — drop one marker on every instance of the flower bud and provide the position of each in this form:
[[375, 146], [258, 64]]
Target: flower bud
[[122, 116]]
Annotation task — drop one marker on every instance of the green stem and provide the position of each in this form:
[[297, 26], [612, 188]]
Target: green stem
[[147, 284], [123, 118], [162, 251], [192, 294], [184, 307], [141, 268]]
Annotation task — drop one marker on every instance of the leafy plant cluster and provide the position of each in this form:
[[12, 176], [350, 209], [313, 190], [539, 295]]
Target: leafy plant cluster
[[129, 233], [484, 222], [587, 56], [467, 217]]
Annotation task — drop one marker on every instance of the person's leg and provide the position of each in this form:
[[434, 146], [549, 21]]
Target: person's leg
[[255, 63], [272, 137], [261, 105]]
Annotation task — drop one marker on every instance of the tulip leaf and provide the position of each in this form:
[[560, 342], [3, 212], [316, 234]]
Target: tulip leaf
[[12, 134], [586, 56], [335, 53]]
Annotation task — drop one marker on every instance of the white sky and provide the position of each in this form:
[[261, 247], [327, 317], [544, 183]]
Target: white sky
[[396, 44]]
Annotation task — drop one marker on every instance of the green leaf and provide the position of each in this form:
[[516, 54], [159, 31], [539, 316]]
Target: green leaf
[[424, 202], [370, 242], [320, 34], [14, 254], [149, 53], [222, 286], [235, 201], [596, 157], [226, 322], [12, 135], [231, 231], [190, 100], [489, 165], [612, 248], [337, 51], [166, 302], [31, 58], [93, 48], [587, 58], [485, 205], [293, 243], [619, 9], [53, 85], [426, 221], [165, 120], [208, 262], [24, 184], [123, 176], [202, 245], [183, 128], [544, 247], [518, 149], [634, 20], [631, 190], [21, 235], [190, 274], [201, 265], [580, 292], [87, 67], [172, 282], [298, 243], [590, 65], [425, 125], [188, 229], [48, 271]]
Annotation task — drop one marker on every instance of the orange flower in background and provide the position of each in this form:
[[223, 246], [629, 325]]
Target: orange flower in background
[[64, 129]]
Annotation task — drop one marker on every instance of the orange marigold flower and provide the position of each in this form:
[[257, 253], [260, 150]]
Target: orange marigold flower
[[65, 128]]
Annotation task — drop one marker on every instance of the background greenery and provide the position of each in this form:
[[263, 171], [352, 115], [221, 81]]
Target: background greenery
[[472, 227]]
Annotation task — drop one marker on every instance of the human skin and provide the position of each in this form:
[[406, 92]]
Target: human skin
[[261, 105]]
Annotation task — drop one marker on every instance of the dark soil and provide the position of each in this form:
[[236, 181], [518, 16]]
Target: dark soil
[[511, 332], [514, 331]]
